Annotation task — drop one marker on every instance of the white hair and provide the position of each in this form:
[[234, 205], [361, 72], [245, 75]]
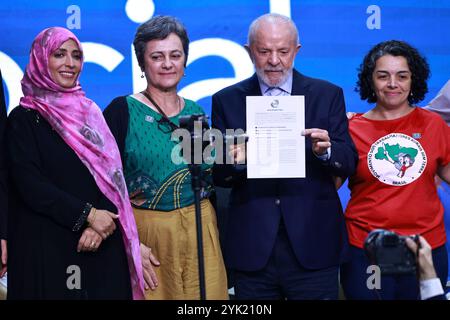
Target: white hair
[[272, 18]]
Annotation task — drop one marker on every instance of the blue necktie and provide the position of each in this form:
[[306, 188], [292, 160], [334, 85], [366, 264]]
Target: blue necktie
[[275, 91]]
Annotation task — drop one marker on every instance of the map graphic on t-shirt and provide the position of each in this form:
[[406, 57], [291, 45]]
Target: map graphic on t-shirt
[[396, 159], [401, 157]]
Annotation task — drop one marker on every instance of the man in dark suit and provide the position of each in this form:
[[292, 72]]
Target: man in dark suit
[[3, 199], [285, 238]]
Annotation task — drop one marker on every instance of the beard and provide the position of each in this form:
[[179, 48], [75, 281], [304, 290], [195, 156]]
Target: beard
[[271, 83]]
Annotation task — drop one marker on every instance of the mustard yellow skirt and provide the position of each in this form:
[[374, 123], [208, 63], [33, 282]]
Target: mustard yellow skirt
[[173, 239]]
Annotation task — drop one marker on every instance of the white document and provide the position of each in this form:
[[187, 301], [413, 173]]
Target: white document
[[276, 147]]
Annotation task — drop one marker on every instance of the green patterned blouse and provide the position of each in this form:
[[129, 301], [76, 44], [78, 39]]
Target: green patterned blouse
[[154, 181]]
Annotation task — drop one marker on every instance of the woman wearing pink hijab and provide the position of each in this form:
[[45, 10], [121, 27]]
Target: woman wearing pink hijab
[[71, 232]]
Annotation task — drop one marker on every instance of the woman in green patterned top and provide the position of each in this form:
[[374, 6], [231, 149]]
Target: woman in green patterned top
[[159, 185]]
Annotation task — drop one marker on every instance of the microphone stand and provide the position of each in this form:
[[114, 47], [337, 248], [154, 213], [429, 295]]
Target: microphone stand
[[189, 123], [196, 173]]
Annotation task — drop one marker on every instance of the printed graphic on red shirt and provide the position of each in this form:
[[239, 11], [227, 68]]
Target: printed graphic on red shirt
[[396, 159]]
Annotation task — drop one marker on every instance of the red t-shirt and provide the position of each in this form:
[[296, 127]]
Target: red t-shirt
[[393, 187]]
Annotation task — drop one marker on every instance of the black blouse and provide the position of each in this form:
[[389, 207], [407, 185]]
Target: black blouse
[[49, 189]]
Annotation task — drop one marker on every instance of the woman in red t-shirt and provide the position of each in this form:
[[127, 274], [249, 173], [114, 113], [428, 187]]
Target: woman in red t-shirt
[[401, 148]]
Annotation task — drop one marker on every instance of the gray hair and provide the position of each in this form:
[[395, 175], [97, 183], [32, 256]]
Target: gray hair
[[271, 17], [159, 28]]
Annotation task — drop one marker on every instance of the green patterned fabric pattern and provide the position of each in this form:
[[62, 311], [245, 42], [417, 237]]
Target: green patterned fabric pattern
[[153, 180]]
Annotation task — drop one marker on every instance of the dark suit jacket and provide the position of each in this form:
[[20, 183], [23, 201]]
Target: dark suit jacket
[[3, 176], [310, 207]]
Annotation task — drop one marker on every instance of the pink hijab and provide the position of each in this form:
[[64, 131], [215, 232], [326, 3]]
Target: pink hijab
[[79, 121]]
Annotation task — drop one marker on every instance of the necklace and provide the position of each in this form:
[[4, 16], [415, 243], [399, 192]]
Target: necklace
[[152, 101]]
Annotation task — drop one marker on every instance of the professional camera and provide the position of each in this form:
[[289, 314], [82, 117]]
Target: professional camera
[[389, 251]]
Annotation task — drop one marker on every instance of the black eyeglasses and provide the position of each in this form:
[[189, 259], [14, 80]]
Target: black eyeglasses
[[166, 126]]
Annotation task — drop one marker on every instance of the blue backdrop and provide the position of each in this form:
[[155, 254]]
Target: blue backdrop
[[335, 35]]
